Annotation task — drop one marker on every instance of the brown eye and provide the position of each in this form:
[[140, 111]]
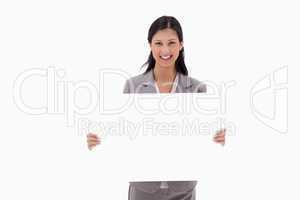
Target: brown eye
[[157, 43], [171, 43]]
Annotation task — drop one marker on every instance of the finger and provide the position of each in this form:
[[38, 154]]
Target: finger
[[93, 140], [219, 139], [92, 135], [219, 136], [93, 143], [90, 146]]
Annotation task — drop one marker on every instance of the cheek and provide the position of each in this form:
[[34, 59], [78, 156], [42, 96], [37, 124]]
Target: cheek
[[155, 53], [175, 53]]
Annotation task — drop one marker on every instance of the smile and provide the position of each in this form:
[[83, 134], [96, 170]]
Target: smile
[[168, 57]]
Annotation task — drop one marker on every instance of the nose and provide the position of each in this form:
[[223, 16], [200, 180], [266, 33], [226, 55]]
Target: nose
[[165, 50]]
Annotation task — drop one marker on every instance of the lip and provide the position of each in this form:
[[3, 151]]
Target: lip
[[170, 56]]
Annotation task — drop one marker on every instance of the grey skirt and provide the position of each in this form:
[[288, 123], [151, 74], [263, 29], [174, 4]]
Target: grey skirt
[[162, 190]]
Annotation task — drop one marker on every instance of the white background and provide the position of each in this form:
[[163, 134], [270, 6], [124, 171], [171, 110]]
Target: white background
[[43, 158]]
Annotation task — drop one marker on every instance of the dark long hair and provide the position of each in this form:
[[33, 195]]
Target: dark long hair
[[160, 24]]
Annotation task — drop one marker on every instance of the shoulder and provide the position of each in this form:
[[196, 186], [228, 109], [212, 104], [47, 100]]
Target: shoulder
[[136, 80], [132, 85], [189, 84], [194, 81]]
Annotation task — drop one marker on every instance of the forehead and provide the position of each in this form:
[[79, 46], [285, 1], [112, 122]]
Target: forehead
[[165, 34]]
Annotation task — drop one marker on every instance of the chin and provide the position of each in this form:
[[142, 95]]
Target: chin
[[166, 66]]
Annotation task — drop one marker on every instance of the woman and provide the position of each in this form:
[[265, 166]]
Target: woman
[[166, 73]]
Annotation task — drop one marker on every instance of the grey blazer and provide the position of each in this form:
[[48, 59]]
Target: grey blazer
[[174, 186], [144, 83]]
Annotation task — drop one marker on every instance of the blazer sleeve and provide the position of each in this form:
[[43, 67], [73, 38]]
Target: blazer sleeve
[[126, 89], [198, 86], [201, 88]]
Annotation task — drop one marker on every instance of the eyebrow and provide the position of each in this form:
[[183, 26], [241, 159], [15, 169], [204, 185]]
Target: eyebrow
[[168, 40]]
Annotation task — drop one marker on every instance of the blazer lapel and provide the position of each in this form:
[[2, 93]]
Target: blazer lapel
[[184, 83], [148, 83]]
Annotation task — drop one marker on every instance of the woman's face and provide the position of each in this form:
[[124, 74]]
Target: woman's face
[[165, 47]]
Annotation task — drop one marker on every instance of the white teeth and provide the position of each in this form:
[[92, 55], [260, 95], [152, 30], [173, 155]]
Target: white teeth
[[165, 57]]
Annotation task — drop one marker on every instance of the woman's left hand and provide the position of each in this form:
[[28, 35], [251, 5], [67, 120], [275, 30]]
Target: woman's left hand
[[220, 137]]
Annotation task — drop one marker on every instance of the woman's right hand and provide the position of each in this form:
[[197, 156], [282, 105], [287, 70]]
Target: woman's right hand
[[92, 140]]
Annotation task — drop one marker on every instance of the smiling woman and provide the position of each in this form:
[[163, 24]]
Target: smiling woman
[[166, 70], [166, 41], [166, 73]]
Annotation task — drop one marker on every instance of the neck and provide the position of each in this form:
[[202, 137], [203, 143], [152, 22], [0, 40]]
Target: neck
[[164, 75]]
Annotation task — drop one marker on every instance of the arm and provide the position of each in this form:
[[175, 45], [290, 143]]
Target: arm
[[126, 89]]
